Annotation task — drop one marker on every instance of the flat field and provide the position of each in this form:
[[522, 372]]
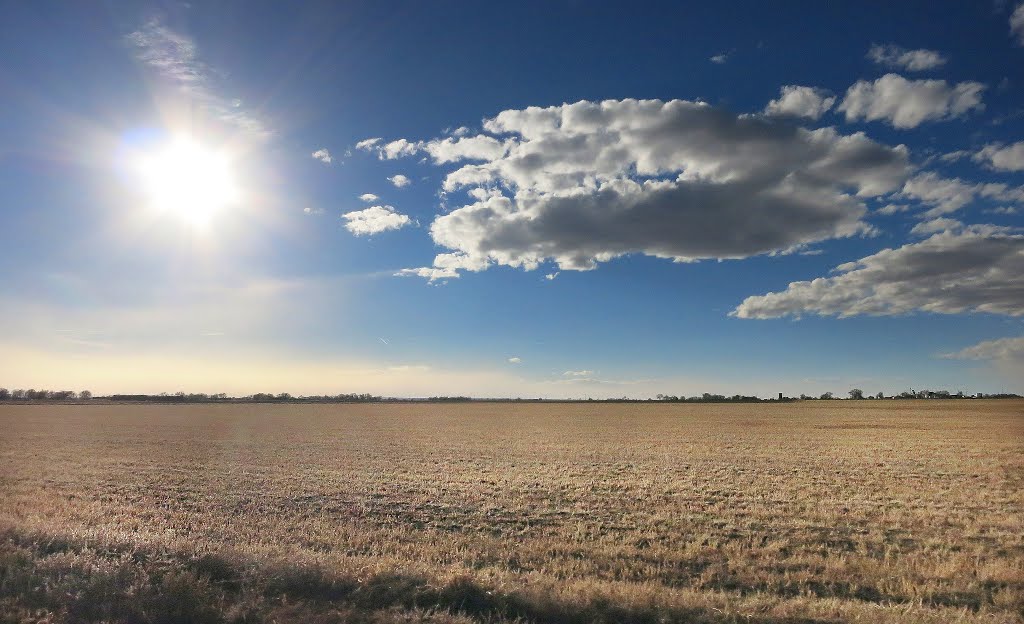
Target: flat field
[[830, 511]]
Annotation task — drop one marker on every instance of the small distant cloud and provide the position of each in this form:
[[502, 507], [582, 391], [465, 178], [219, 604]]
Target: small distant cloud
[[374, 220], [578, 373], [907, 103], [400, 180], [551, 276], [892, 209], [312, 211], [368, 197], [720, 58], [514, 360], [1002, 210], [934, 226], [447, 266], [368, 144], [895, 57], [797, 101], [322, 155], [399, 148]]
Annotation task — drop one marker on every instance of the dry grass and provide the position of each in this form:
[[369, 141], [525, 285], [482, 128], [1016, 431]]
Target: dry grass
[[808, 512]]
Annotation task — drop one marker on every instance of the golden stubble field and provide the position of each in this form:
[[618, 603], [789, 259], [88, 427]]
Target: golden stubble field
[[824, 511]]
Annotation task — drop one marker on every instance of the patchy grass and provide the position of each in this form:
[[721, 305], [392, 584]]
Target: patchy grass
[[798, 513]]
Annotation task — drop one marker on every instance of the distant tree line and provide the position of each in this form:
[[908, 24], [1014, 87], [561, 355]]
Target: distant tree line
[[182, 397], [43, 395], [855, 394], [717, 398]]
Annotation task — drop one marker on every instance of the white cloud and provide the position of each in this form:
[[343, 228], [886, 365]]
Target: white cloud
[[515, 360], [447, 266], [1002, 157], [175, 57], [584, 183], [1017, 23], [578, 373], [432, 274], [1000, 349], [942, 224], [444, 150], [478, 147], [551, 276], [891, 209], [719, 59], [374, 219], [895, 57], [322, 155], [368, 197], [796, 101], [312, 211], [955, 156], [1002, 210], [947, 195], [399, 180], [397, 149], [978, 269], [908, 103], [368, 144]]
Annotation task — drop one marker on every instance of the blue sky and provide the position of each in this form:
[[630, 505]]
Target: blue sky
[[541, 199]]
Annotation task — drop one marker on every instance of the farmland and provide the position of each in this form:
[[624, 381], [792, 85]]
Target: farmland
[[809, 512]]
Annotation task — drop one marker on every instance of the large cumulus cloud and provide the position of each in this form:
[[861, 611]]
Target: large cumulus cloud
[[579, 184]]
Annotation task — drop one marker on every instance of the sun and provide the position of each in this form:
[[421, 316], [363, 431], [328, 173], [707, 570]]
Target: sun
[[188, 180]]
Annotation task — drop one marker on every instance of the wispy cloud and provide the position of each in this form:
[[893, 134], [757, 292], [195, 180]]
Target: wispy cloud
[[322, 155], [1000, 349], [515, 360], [895, 57], [175, 58]]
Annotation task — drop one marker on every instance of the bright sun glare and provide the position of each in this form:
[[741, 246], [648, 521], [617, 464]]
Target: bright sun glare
[[188, 180]]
